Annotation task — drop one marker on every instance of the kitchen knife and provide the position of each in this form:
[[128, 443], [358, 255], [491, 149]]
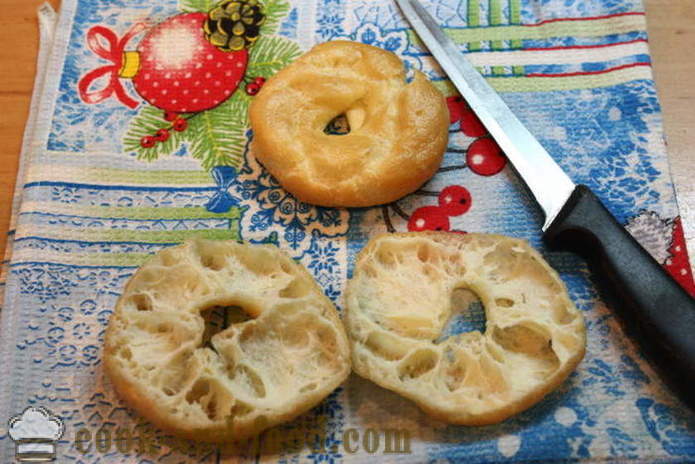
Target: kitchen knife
[[654, 307]]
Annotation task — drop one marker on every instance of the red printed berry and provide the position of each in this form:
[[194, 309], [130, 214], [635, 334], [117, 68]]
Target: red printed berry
[[471, 125], [260, 81], [170, 115], [148, 141], [162, 135], [428, 218], [459, 111], [253, 88], [456, 107], [180, 125], [485, 157], [455, 200]]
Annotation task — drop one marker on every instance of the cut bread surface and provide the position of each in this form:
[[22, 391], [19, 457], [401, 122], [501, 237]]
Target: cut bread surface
[[285, 359], [400, 299]]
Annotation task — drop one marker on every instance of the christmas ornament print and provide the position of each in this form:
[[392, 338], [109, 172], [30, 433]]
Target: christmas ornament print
[[180, 70], [195, 73], [174, 68]]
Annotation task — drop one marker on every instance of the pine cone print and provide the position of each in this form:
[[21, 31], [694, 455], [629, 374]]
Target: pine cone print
[[234, 24]]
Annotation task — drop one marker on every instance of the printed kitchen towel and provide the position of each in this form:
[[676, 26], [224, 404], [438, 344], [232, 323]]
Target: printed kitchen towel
[[140, 138]]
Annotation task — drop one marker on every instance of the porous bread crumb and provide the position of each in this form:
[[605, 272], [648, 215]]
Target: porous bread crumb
[[252, 375], [400, 298]]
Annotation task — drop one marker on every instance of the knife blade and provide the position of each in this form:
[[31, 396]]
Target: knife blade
[[654, 307]]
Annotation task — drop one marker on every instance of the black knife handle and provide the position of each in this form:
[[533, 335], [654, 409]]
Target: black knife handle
[[653, 306]]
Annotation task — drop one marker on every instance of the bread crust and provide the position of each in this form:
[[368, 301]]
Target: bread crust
[[399, 131], [399, 300], [252, 375]]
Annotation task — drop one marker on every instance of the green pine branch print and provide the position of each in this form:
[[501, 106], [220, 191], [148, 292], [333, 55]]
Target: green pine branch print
[[148, 121], [270, 54], [275, 11], [218, 136], [193, 6]]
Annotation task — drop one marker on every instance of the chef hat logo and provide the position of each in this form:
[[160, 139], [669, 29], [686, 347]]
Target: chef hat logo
[[35, 433]]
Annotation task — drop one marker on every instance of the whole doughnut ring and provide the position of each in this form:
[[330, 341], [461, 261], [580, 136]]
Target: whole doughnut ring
[[398, 130]]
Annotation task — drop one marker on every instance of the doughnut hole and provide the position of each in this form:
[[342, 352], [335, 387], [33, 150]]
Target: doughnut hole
[[218, 318], [467, 314], [339, 125]]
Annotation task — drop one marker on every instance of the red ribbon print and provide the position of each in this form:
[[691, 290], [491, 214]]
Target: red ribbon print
[[113, 52]]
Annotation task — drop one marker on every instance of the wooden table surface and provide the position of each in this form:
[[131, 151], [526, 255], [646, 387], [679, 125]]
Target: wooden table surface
[[671, 32]]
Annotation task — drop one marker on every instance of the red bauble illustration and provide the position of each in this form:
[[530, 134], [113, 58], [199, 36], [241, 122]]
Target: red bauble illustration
[[181, 71], [175, 67], [428, 218], [455, 200], [485, 157]]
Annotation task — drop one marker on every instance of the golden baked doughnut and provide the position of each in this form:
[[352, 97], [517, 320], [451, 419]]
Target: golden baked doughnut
[[400, 298], [250, 376], [398, 130]]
